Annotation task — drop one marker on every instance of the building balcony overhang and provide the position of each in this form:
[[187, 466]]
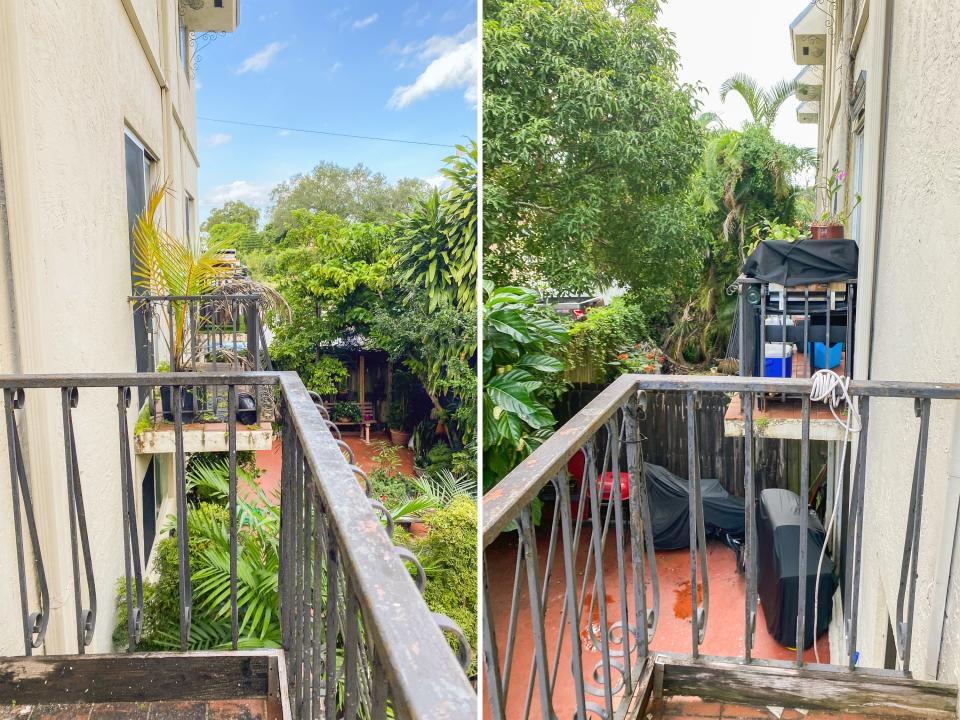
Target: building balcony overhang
[[808, 113], [810, 84], [808, 35]]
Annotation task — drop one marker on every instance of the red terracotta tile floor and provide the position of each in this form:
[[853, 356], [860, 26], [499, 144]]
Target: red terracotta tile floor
[[270, 461], [724, 635]]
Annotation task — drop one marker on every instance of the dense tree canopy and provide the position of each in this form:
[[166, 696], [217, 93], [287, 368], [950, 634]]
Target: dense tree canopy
[[357, 194], [589, 141], [233, 212]]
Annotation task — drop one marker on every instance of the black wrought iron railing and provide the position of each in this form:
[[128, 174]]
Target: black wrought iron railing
[[358, 639], [572, 596], [191, 332]]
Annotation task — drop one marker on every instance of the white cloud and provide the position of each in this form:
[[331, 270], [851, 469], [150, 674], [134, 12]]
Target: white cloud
[[366, 22], [336, 66], [437, 181], [219, 139], [261, 60], [283, 133], [452, 64], [256, 195]]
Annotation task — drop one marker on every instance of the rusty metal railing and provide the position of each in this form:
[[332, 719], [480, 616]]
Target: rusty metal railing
[[584, 576], [359, 640]]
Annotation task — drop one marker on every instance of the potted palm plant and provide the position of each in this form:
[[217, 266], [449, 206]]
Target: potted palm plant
[[398, 421], [165, 265], [831, 224]]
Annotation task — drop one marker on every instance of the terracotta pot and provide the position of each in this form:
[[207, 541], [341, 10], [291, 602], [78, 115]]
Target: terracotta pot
[[399, 437], [826, 232], [418, 529]]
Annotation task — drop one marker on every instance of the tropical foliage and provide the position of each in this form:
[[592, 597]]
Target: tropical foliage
[[167, 265], [521, 367], [764, 103]]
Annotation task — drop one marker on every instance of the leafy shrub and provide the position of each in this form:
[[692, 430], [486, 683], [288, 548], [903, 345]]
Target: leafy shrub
[[449, 556], [391, 490], [439, 457], [349, 411], [603, 335]]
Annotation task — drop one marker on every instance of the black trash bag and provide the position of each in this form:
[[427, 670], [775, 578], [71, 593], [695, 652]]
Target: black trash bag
[[778, 545], [670, 510]]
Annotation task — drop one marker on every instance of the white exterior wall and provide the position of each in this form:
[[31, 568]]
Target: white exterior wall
[[916, 336], [73, 77]]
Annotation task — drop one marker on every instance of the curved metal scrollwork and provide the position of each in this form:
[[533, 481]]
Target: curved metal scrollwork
[[86, 616], [34, 623]]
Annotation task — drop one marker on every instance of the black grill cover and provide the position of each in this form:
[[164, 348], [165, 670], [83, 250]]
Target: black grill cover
[[778, 540], [802, 262], [670, 509]]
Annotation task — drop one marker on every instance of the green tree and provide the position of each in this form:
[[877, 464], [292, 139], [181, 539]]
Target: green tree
[[356, 194], [764, 103], [589, 142], [522, 345], [234, 235], [233, 211], [438, 238]]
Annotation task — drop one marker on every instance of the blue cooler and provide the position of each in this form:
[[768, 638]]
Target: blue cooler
[[824, 359], [778, 360]]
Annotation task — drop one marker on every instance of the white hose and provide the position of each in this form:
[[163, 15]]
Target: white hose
[[830, 388]]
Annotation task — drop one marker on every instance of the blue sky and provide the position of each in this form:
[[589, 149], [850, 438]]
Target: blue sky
[[398, 69]]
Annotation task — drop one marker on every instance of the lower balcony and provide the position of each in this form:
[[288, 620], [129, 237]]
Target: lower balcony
[[340, 629], [615, 589]]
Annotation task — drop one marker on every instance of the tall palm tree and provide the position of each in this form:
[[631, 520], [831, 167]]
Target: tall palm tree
[[763, 103]]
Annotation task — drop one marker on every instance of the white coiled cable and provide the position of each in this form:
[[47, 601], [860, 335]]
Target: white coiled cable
[[828, 387]]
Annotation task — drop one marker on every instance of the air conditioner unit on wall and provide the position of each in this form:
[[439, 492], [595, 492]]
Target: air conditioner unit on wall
[[210, 15]]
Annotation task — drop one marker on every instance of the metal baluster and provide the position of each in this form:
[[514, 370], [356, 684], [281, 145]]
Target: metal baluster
[[131, 539], [333, 624], [86, 617], [234, 311], [572, 607], [378, 698], [827, 344], [183, 547], [34, 624], [307, 596], [316, 620], [848, 360], [764, 292], [801, 634], [911, 545], [174, 364], [599, 595], [351, 656], [548, 568], [806, 332], [638, 566], [286, 521], [528, 537], [749, 543], [232, 502], [616, 499], [855, 537], [298, 551], [698, 545], [514, 615]]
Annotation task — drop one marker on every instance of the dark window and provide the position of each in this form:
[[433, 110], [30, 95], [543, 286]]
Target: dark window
[[218, 3], [138, 162], [149, 490]]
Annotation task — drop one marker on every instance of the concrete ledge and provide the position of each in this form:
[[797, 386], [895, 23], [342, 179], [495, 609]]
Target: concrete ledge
[[203, 437]]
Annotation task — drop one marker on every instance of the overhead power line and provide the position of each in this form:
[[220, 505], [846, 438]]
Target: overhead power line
[[325, 132]]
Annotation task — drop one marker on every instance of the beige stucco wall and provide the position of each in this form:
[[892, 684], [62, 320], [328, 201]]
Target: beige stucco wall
[[73, 77], [916, 334]]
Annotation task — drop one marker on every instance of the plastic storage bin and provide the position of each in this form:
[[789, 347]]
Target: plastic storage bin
[[778, 360], [823, 359]]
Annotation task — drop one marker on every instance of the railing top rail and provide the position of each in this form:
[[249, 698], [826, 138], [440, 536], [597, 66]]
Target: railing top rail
[[186, 298], [140, 379], [403, 629], [502, 503]]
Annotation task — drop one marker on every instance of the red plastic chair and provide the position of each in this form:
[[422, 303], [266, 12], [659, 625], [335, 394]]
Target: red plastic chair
[[575, 467]]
